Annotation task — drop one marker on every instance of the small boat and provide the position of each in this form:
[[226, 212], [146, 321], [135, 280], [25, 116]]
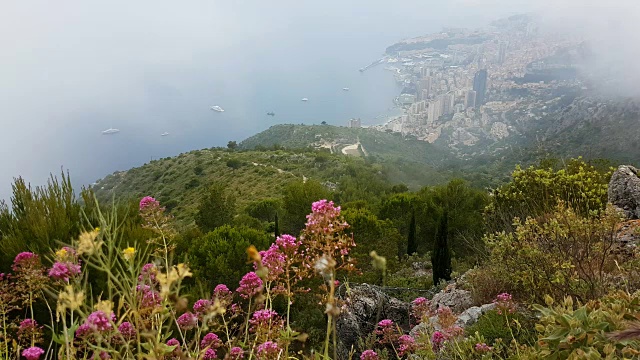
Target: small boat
[[271, 114], [217, 108], [164, 134], [110, 131], [305, 99], [345, 89]]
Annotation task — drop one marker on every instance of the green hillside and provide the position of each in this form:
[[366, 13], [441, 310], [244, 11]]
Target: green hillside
[[406, 159], [180, 181]]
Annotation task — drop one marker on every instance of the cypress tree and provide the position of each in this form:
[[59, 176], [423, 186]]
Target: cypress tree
[[441, 258], [412, 244], [276, 230]]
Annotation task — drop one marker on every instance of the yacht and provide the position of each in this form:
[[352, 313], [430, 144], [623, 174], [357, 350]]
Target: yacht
[[345, 89], [164, 134], [271, 113], [217, 108], [110, 131], [305, 99]]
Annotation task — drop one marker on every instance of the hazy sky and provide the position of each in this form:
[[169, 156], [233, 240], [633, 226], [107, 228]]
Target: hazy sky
[[68, 65]]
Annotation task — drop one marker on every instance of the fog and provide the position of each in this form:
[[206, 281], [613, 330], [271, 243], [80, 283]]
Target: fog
[[71, 69]]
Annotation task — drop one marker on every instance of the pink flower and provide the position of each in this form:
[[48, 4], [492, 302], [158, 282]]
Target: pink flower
[[504, 304], [385, 323], [201, 306], [148, 274], [273, 260], [250, 285], [236, 353], [174, 342], [83, 330], [483, 348], [369, 355], [386, 331], [148, 201], [27, 324], [437, 340], [149, 298], [103, 355], [29, 330], [211, 340], [324, 206], [127, 330], [98, 321], [407, 345], [287, 244], [268, 351], [25, 260], [32, 353], [419, 301], [64, 271], [210, 354], [264, 318], [221, 290], [187, 321]]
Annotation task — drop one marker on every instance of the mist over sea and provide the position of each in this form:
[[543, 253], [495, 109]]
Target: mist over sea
[[74, 70]]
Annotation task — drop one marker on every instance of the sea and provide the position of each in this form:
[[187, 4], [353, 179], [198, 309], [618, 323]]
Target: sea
[[147, 68]]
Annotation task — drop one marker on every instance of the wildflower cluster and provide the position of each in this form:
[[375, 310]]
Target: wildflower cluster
[[228, 325], [504, 304]]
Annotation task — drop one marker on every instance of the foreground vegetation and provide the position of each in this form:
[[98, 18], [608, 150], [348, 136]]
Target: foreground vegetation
[[218, 277]]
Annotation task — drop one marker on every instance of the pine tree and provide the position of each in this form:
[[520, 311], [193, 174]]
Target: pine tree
[[276, 230], [441, 258], [216, 208], [412, 244]]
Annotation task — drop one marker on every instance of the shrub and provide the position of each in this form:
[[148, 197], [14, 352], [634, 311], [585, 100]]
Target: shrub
[[493, 326], [537, 190], [583, 331], [219, 257], [560, 254], [216, 208]]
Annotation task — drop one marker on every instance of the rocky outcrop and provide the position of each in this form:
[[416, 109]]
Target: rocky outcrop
[[624, 191], [458, 300], [365, 306]]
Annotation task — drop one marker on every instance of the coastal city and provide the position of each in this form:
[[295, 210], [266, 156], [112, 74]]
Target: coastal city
[[463, 86]]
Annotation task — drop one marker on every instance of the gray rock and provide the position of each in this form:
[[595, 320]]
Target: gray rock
[[487, 307], [624, 191], [457, 299], [469, 316], [365, 307]]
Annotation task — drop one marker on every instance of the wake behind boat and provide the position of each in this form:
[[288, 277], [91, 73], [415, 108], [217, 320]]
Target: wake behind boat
[[110, 131], [217, 108]]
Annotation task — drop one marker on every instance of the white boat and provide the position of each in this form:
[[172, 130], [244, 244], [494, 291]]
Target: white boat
[[345, 89], [217, 108], [164, 134], [110, 131], [305, 99]]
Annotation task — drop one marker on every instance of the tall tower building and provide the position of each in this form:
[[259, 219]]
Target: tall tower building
[[480, 87], [424, 85], [470, 99], [502, 51]]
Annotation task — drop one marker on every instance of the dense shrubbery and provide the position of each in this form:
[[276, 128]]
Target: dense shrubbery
[[563, 244], [559, 254], [535, 191]]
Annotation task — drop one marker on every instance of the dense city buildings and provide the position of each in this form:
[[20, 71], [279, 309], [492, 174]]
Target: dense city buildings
[[473, 84]]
